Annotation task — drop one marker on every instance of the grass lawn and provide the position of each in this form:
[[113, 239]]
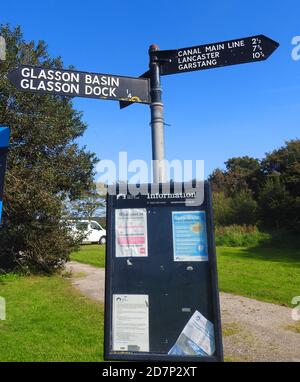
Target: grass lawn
[[47, 320], [93, 254], [266, 274]]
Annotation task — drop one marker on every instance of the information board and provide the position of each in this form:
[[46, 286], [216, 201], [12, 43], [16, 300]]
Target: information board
[[161, 298]]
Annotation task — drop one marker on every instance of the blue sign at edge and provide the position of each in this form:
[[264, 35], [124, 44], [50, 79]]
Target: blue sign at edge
[[4, 136]]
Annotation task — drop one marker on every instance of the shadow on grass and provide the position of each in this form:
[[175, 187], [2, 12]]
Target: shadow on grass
[[279, 255]]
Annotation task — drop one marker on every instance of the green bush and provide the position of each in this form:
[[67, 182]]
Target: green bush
[[240, 236], [240, 209], [222, 208], [244, 208], [283, 238]]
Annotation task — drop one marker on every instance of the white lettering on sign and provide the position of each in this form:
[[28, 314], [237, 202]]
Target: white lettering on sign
[[198, 64], [95, 79], [100, 91], [106, 85], [49, 74], [198, 57], [214, 47], [195, 58], [193, 51], [50, 86], [204, 56], [236, 44]]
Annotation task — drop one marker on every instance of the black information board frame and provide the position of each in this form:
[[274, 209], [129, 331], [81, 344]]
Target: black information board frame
[[143, 275]]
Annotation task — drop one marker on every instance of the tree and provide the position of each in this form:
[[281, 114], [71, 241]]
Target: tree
[[222, 209], [87, 205], [278, 208], [45, 164], [243, 208], [266, 191], [239, 209], [279, 197], [285, 162], [242, 173], [218, 181]]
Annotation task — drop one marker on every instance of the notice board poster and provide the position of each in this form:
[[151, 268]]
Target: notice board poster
[[161, 297], [197, 338], [131, 232], [189, 236], [130, 323]]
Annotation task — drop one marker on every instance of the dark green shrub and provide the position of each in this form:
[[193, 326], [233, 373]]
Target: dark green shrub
[[240, 236]]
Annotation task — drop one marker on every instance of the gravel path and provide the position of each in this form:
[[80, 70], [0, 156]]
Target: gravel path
[[252, 330], [88, 279], [257, 331]]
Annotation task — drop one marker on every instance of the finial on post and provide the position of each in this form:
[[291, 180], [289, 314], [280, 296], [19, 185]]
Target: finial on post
[[153, 47]]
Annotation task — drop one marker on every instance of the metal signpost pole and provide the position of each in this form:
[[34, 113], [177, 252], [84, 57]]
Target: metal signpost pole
[[157, 119]]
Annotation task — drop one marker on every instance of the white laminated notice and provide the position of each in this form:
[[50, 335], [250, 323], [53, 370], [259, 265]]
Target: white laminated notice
[[130, 322], [131, 232], [197, 338]]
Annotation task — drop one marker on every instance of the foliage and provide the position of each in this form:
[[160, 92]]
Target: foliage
[[222, 209], [241, 173], [280, 194], [240, 236], [239, 209], [265, 192], [244, 208], [285, 162], [89, 204], [283, 238], [273, 199], [45, 164]]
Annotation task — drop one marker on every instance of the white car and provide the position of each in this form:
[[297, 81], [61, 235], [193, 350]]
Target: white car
[[92, 231]]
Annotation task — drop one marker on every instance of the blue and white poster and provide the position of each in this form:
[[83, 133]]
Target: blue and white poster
[[197, 338], [189, 236]]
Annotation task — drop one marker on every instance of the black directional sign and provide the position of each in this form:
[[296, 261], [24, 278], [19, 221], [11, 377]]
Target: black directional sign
[[80, 84], [240, 51]]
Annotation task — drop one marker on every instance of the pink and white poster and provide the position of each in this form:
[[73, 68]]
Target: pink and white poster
[[131, 232]]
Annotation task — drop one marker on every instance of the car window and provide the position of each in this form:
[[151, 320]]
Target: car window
[[95, 226], [82, 226]]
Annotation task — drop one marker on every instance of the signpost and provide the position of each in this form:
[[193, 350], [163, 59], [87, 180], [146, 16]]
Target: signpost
[[4, 142], [233, 52], [161, 279], [73, 83], [164, 62]]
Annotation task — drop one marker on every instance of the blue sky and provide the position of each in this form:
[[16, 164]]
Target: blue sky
[[215, 114]]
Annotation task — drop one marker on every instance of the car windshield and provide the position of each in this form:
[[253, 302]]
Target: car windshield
[[96, 226]]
